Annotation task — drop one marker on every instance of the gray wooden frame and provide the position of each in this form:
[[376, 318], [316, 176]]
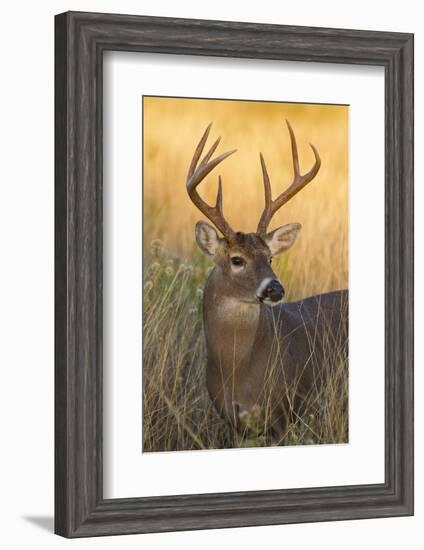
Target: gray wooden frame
[[80, 40]]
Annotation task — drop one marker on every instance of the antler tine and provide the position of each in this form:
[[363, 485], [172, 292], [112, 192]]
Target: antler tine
[[218, 203], [197, 173], [295, 155], [211, 151], [198, 151], [297, 185], [267, 183]]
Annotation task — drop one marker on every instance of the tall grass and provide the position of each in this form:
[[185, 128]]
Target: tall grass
[[177, 411]]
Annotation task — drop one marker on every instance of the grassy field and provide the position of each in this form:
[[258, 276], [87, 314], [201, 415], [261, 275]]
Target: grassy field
[[177, 412]]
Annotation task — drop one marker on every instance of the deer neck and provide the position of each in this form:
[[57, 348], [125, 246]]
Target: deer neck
[[231, 325]]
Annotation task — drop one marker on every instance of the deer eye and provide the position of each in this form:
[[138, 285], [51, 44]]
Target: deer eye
[[236, 260], [270, 260]]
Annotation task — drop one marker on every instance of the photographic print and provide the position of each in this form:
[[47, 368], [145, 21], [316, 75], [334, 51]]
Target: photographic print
[[201, 286], [245, 274]]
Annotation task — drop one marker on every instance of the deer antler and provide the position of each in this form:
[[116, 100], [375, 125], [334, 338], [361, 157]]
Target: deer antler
[[197, 173], [298, 183]]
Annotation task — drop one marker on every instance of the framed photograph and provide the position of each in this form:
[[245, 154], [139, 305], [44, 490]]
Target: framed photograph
[[234, 274]]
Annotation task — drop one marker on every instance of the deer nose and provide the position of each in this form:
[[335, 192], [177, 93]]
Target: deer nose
[[274, 291]]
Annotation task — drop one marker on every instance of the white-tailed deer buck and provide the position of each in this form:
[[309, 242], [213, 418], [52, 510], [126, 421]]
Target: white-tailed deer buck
[[261, 357]]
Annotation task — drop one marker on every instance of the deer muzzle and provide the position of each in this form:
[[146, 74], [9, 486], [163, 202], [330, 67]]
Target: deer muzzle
[[271, 291]]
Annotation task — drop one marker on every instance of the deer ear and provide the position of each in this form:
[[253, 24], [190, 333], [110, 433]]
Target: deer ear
[[282, 238], [207, 238]]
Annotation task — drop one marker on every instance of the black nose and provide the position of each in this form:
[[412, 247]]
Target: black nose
[[274, 291]]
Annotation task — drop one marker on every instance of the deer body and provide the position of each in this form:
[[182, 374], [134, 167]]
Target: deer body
[[261, 353], [251, 346]]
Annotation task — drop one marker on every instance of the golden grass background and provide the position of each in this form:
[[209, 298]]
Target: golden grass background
[[177, 412], [172, 129]]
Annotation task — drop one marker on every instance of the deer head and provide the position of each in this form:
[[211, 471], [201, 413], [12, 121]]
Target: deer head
[[245, 259]]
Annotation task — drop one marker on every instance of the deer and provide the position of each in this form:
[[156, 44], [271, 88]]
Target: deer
[[263, 354]]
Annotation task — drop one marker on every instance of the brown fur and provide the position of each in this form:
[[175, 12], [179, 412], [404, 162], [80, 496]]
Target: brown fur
[[260, 357], [263, 356]]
